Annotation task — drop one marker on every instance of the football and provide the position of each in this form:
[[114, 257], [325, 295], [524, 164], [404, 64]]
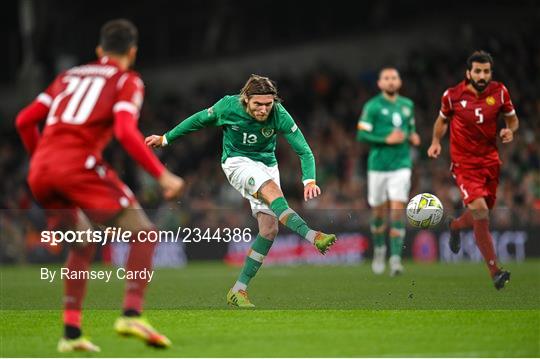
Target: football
[[424, 211]]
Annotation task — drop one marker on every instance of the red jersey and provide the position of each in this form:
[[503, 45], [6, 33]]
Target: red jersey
[[83, 108], [473, 122], [82, 102]]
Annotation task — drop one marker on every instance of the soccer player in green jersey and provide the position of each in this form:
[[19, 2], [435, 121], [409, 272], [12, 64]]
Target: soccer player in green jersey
[[387, 124], [251, 122]]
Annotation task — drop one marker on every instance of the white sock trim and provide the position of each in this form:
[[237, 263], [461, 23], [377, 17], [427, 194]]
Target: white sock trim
[[239, 286], [310, 236], [286, 213], [256, 256]]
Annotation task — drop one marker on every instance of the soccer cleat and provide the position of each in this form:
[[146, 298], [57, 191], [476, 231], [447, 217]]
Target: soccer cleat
[[378, 264], [324, 241], [80, 344], [396, 268], [239, 299], [500, 279], [140, 328], [455, 240]]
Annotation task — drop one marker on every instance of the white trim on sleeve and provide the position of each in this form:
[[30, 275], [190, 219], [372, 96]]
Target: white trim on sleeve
[[366, 126], [442, 115], [45, 99], [126, 106], [511, 113], [307, 181], [164, 141]]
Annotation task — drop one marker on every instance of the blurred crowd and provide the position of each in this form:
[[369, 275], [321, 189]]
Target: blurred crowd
[[326, 104]]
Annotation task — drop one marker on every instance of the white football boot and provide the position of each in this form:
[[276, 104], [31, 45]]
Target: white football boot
[[396, 268], [379, 260]]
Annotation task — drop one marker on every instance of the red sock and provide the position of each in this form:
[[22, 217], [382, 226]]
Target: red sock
[[140, 258], [79, 259], [106, 254], [73, 317], [462, 222], [485, 244]]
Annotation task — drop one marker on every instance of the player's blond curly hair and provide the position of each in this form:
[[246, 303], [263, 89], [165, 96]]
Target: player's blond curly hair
[[258, 85]]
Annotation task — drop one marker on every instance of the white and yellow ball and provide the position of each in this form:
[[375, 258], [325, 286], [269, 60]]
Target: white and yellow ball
[[424, 211]]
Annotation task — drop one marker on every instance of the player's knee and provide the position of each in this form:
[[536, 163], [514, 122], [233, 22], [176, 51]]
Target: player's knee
[[378, 229], [378, 225], [269, 191], [397, 232], [480, 213], [479, 208], [269, 231]]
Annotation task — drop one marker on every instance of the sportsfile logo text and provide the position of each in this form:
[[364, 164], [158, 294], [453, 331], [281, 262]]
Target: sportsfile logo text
[[118, 235]]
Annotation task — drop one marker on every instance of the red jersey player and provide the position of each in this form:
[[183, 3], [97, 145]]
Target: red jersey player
[[83, 108], [472, 109]]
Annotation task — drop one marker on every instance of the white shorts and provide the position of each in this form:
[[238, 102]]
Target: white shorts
[[247, 176], [388, 185]]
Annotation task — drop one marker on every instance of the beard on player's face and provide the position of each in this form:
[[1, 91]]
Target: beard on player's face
[[390, 88], [479, 85]]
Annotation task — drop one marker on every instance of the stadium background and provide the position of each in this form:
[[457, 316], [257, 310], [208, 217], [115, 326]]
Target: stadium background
[[325, 60]]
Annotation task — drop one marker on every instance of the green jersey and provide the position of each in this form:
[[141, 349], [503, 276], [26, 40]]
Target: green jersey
[[243, 136], [379, 118]]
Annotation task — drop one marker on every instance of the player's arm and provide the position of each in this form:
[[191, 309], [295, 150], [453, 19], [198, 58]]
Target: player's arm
[[365, 127], [205, 118], [366, 134], [296, 139], [510, 117], [29, 118], [512, 125], [439, 130], [441, 126]]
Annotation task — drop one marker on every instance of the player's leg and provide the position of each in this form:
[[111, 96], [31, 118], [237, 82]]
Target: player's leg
[[378, 235], [480, 214], [378, 200], [465, 221], [61, 214], [456, 225], [78, 261], [141, 253], [260, 185], [268, 229], [399, 185], [397, 235], [271, 194], [107, 200], [470, 184]]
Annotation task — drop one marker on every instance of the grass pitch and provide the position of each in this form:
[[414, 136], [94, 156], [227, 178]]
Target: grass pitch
[[432, 310]]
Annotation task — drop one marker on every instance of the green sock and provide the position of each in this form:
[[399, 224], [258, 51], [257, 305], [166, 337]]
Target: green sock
[[259, 249], [378, 234], [291, 219], [396, 242]]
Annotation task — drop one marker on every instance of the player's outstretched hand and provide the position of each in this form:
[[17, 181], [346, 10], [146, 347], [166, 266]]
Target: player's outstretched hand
[[414, 139], [171, 185], [434, 150], [154, 141], [396, 137], [311, 190], [506, 135]]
